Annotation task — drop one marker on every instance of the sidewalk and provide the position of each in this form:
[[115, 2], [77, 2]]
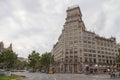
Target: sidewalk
[[100, 76], [104, 76]]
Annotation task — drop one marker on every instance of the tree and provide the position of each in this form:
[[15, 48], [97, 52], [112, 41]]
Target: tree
[[20, 64], [46, 60], [119, 51], [33, 60], [8, 59], [118, 56]]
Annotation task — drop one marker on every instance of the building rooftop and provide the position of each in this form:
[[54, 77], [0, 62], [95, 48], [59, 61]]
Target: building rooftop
[[72, 7]]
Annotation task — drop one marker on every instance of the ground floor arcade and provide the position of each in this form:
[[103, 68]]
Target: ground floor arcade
[[82, 67]]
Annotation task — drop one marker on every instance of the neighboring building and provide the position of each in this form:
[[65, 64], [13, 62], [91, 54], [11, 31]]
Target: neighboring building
[[2, 47], [78, 49], [118, 64], [22, 59], [118, 45]]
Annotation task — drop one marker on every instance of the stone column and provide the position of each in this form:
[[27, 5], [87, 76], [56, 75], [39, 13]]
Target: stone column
[[60, 67], [73, 68], [68, 68], [63, 67], [78, 68]]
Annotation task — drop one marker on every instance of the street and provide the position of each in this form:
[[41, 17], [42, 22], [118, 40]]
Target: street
[[60, 76]]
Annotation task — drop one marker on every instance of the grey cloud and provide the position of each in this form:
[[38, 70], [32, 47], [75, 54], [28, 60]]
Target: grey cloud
[[32, 6], [37, 24]]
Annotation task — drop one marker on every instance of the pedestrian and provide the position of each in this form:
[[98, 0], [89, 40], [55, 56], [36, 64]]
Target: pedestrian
[[111, 74], [119, 73]]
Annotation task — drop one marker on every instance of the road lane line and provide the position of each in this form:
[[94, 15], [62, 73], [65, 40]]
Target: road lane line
[[47, 77], [54, 78]]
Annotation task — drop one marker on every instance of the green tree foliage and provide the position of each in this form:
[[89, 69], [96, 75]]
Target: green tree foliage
[[118, 57], [20, 65], [46, 60], [119, 51], [8, 59], [33, 60]]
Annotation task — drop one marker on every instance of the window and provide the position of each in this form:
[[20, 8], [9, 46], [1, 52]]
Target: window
[[94, 60], [90, 55], [89, 42], [75, 56], [103, 61], [75, 51], [66, 56], [110, 57], [99, 55], [98, 51], [107, 57], [93, 43], [80, 59], [85, 50], [66, 52], [86, 60], [89, 50], [75, 60], [85, 54], [89, 38], [90, 59], [107, 61], [66, 60], [80, 50], [103, 56], [93, 51], [85, 41], [71, 42], [70, 60], [110, 61], [94, 55], [75, 42], [99, 60], [71, 51]]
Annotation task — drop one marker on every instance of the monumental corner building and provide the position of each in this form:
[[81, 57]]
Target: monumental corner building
[[78, 49]]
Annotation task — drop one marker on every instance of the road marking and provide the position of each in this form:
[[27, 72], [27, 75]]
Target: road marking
[[54, 78], [47, 77]]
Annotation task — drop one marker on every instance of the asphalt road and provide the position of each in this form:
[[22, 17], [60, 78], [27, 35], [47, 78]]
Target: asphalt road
[[43, 76]]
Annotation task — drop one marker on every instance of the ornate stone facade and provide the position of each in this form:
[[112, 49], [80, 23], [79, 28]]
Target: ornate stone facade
[[78, 48], [2, 47]]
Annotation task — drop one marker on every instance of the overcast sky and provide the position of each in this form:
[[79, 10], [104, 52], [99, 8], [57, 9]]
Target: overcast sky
[[36, 24]]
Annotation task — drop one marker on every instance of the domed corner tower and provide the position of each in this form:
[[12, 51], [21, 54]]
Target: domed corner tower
[[74, 16], [67, 51]]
